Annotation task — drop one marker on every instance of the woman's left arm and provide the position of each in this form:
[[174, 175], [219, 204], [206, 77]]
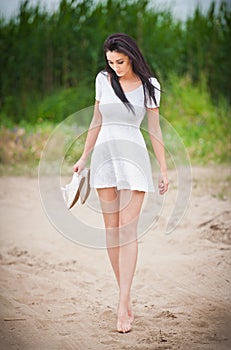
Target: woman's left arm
[[156, 138]]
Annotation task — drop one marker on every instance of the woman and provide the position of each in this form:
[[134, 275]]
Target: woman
[[120, 166]]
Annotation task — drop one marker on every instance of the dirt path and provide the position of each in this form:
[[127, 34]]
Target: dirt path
[[57, 295]]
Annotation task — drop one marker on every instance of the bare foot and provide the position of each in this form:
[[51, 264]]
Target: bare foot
[[123, 322]]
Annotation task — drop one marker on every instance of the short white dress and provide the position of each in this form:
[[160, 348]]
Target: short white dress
[[120, 158]]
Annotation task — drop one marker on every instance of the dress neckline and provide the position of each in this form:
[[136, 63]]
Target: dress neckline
[[126, 92]]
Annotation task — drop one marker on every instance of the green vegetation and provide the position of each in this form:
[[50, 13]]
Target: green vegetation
[[49, 61], [203, 126]]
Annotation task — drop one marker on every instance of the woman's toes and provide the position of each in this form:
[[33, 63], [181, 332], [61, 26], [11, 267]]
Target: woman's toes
[[123, 323]]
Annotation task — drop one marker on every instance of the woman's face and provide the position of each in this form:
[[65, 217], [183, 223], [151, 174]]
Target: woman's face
[[119, 62]]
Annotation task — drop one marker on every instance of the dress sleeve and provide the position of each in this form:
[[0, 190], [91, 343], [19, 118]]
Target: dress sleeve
[[151, 104], [98, 87]]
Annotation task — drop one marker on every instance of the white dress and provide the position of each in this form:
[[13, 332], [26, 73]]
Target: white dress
[[120, 158]]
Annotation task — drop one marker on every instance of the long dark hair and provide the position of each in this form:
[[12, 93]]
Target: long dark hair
[[123, 43]]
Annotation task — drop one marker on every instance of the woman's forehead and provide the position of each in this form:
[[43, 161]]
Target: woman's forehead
[[115, 56]]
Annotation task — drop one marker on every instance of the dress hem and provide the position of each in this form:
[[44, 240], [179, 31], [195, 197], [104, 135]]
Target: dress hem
[[124, 188]]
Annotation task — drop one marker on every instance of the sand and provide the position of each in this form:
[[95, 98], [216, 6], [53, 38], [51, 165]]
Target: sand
[[58, 295]]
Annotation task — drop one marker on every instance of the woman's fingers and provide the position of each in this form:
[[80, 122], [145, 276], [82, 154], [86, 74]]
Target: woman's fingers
[[163, 184], [75, 168], [79, 166]]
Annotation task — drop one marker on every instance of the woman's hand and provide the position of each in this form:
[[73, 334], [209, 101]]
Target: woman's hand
[[163, 183], [79, 165]]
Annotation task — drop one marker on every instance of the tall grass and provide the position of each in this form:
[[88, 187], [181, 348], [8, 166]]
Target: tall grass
[[203, 126], [43, 53]]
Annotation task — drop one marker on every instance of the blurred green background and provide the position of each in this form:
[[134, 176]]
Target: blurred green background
[[49, 61]]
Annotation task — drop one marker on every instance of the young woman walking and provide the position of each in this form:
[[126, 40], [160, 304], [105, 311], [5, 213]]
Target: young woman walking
[[120, 165]]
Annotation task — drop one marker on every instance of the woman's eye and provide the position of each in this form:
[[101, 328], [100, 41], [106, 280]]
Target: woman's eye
[[111, 63]]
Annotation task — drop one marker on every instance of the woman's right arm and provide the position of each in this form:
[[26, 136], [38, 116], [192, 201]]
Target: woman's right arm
[[92, 135]]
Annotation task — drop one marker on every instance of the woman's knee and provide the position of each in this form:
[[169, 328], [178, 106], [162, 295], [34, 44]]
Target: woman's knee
[[127, 230]]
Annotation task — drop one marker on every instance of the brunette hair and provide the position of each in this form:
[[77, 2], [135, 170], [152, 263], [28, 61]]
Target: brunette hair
[[123, 43]]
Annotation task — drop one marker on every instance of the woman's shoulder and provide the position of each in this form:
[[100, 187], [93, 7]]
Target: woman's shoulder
[[101, 76], [155, 82]]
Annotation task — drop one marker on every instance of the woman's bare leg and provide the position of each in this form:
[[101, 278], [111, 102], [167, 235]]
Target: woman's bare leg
[[121, 214], [130, 207], [110, 207]]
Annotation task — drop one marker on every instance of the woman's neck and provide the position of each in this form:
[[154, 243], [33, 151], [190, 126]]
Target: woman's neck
[[129, 77]]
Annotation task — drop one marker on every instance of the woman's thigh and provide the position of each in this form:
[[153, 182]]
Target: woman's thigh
[[130, 208], [109, 201]]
